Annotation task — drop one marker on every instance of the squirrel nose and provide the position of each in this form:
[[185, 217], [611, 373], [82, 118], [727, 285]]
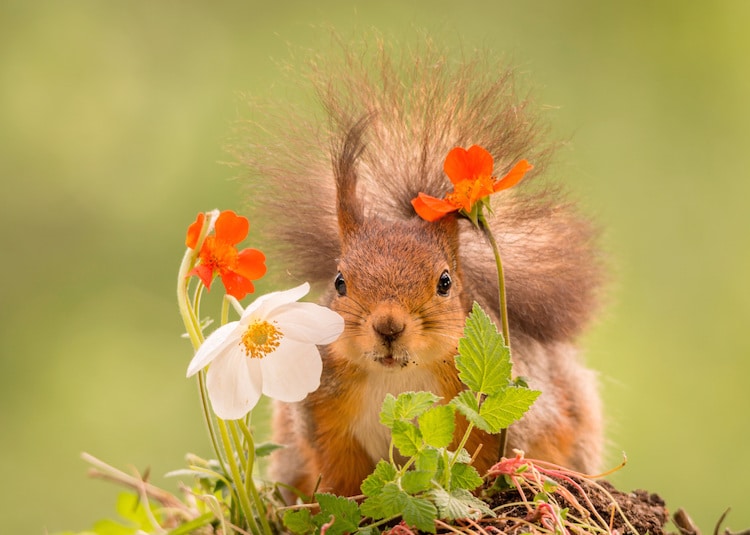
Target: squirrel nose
[[388, 327]]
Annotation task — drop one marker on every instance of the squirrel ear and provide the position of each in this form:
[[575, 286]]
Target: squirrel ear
[[348, 206]]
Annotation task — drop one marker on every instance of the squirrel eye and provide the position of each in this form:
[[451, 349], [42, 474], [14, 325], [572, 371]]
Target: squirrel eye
[[340, 284], [444, 284]]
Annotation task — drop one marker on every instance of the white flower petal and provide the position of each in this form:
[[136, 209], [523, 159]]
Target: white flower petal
[[264, 304], [234, 384], [292, 371], [212, 347], [308, 322]]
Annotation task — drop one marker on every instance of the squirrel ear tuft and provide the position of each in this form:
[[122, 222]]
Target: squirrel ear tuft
[[348, 206]]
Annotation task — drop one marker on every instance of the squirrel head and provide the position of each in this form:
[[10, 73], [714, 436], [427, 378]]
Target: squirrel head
[[398, 284]]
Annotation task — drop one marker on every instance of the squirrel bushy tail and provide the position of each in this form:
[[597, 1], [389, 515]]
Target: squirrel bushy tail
[[415, 107]]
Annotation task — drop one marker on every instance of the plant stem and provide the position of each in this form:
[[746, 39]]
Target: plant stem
[[192, 325], [249, 482], [239, 487], [209, 420], [191, 320], [484, 225], [500, 278], [464, 440]]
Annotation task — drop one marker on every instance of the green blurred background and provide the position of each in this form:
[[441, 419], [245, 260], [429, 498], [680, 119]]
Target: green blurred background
[[113, 119]]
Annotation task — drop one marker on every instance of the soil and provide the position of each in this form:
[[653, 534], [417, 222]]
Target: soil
[[640, 512]]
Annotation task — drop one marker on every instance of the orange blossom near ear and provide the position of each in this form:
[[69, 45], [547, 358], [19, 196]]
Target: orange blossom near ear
[[470, 172]]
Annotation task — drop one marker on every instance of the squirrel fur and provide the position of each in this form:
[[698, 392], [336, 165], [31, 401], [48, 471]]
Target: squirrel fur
[[336, 199]]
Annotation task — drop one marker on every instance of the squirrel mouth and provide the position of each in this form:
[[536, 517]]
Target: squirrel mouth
[[389, 361]]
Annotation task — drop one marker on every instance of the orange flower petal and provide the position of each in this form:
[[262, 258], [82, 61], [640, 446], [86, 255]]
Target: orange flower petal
[[430, 208], [462, 164], [251, 264], [204, 273], [236, 285], [194, 231], [514, 176], [231, 228]]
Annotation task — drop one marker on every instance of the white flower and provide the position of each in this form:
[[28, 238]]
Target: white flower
[[271, 350]]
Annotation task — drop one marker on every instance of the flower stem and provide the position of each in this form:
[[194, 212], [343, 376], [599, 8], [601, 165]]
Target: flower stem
[[191, 320], [209, 420], [250, 484], [484, 225], [192, 324], [500, 278], [239, 487]]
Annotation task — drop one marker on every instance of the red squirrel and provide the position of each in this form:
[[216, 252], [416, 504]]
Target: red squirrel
[[335, 195]]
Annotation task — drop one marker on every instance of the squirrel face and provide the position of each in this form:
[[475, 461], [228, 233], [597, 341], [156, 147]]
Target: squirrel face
[[398, 288]]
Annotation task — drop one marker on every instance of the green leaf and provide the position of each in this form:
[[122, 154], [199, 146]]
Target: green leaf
[[459, 504], [388, 411], [427, 460], [345, 512], [407, 438], [465, 476], [110, 527], [373, 484], [416, 481], [390, 502], [265, 449], [299, 522], [483, 361], [420, 513], [410, 405], [502, 409], [131, 510], [462, 456], [466, 403], [437, 425]]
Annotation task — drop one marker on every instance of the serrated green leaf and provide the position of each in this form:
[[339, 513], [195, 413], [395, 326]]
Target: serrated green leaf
[[477, 507], [388, 411], [459, 504], [483, 359], [344, 511], [465, 403], [407, 438], [427, 460], [437, 425], [462, 456], [384, 473], [464, 476], [420, 513], [410, 405], [448, 507], [389, 502], [456, 457], [416, 481], [502, 409], [299, 522]]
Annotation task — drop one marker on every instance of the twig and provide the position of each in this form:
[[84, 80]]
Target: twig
[[102, 470]]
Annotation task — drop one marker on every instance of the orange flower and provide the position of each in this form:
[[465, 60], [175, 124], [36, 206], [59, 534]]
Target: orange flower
[[470, 172], [218, 253]]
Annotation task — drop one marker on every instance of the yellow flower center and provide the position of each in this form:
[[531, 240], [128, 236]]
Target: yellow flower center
[[260, 339]]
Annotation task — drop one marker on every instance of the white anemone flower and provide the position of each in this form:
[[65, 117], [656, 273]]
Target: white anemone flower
[[271, 350]]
